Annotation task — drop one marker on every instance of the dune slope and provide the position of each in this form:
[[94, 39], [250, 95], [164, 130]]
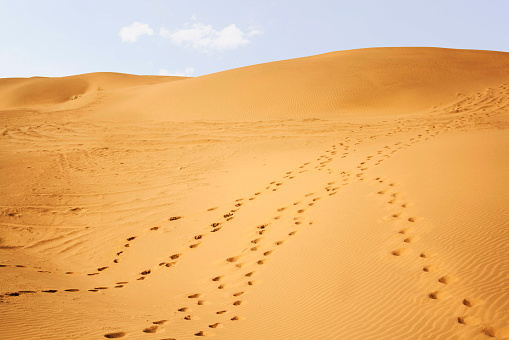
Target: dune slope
[[384, 217]]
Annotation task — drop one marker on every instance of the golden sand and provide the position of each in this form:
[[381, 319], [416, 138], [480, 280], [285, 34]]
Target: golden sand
[[352, 195]]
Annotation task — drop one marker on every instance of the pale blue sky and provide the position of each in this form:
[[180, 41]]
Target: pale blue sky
[[65, 37]]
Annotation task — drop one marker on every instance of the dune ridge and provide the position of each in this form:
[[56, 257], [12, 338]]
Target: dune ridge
[[388, 224]]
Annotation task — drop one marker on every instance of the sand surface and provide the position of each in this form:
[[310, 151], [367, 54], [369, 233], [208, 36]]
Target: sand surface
[[353, 195]]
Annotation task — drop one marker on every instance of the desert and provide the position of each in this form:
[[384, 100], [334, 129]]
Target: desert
[[358, 194]]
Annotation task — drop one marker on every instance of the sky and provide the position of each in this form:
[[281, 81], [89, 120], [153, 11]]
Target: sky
[[192, 38]]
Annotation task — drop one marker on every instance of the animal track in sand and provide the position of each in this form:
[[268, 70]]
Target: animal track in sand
[[115, 335], [217, 278], [216, 325], [194, 296], [401, 251], [427, 255], [495, 332], [439, 295], [415, 219], [221, 312], [233, 259], [160, 322], [469, 320], [406, 231], [412, 239], [447, 279], [238, 294], [151, 329], [431, 269], [472, 302], [237, 303], [195, 245], [249, 274]]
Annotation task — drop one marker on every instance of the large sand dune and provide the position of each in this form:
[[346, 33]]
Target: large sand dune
[[352, 195]]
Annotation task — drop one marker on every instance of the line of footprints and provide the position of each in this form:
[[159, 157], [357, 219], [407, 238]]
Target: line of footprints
[[262, 250], [409, 235]]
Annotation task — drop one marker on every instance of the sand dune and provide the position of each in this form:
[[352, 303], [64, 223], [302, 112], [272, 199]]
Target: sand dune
[[353, 195]]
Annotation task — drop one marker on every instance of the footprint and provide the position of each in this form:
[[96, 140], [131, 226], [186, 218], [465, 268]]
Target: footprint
[[278, 243], [194, 296], [145, 272], [72, 290], [472, 302], [496, 332], [235, 318], [431, 269], [468, 320], [439, 295], [131, 238], [160, 322], [412, 239], [428, 255], [415, 219], [401, 251], [183, 309], [192, 246], [217, 278], [268, 252], [221, 312], [260, 262], [249, 274], [115, 335], [405, 231], [201, 333], [174, 218], [151, 329], [238, 294], [237, 303], [447, 279], [292, 233], [216, 325], [233, 259], [50, 291]]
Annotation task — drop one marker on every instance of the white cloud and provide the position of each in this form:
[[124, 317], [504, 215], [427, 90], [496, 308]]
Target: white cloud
[[133, 32], [205, 38], [188, 72]]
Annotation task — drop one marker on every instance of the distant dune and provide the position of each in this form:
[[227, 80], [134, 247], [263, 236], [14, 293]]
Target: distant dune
[[333, 85], [352, 195]]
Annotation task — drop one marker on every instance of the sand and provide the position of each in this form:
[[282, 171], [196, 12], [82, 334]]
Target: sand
[[353, 195]]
